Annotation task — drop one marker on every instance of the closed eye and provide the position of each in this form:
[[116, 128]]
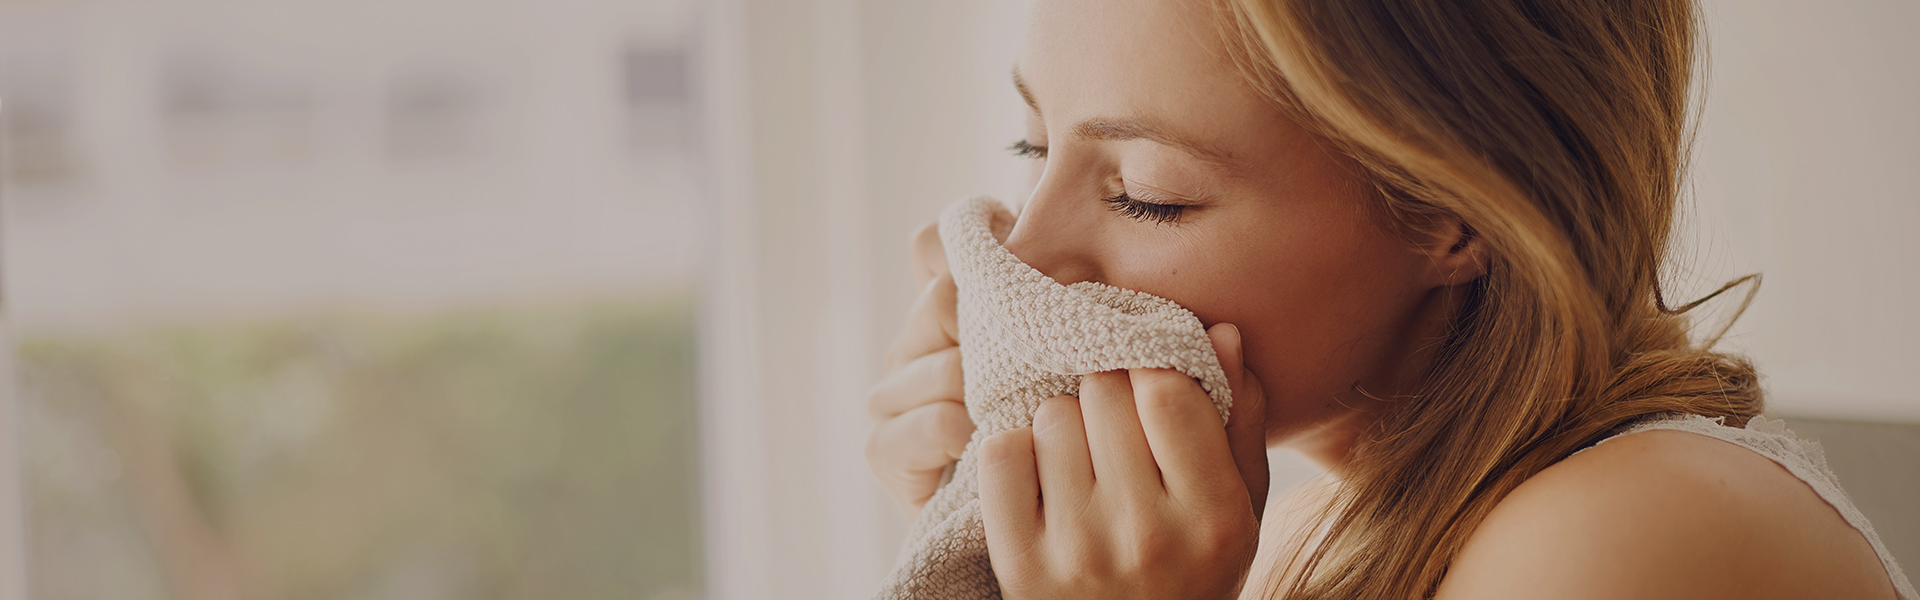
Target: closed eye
[[1023, 149], [1144, 211], [1125, 204]]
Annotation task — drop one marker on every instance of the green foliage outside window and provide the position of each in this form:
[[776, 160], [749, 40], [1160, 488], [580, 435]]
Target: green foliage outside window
[[533, 453]]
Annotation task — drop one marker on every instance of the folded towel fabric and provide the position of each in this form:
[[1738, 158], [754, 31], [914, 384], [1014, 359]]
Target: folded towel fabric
[[1025, 338]]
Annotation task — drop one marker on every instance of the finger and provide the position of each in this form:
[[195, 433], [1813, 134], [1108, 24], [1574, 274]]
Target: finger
[[929, 254], [909, 452], [1060, 449], [1009, 494], [1247, 425], [928, 379], [925, 438], [1184, 433], [931, 324], [1120, 452]]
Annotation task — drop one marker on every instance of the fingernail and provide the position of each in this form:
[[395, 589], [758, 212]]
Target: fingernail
[[1232, 334]]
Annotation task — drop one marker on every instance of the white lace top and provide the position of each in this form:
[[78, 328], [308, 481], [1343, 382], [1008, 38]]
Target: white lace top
[[1802, 457]]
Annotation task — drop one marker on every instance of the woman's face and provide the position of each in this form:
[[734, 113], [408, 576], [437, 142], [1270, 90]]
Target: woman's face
[[1158, 168]]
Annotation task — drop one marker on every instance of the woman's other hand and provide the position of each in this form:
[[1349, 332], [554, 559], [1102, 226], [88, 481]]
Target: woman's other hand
[[920, 423], [1134, 490]]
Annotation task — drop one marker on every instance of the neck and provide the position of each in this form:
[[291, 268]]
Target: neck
[[1332, 443]]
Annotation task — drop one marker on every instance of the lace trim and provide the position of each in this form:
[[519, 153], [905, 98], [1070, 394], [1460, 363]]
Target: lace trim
[[1801, 457]]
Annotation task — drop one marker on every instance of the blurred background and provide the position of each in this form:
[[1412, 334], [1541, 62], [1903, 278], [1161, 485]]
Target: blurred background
[[432, 299]]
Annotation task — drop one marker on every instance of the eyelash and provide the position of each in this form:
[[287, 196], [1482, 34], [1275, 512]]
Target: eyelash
[[1023, 149], [1151, 212], [1124, 204]]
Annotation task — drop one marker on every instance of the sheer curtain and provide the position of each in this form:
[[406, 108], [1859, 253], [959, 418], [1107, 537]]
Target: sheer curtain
[[836, 129]]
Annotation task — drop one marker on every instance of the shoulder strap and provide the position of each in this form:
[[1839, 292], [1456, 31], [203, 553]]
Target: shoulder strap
[[1801, 457]]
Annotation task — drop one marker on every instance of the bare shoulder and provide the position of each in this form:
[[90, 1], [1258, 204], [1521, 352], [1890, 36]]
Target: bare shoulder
[[1665, 514]]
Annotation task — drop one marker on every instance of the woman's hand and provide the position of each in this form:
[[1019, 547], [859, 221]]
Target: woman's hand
[[1134, 490], [920, 423]]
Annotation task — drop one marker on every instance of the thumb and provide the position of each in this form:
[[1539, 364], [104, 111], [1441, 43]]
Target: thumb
[[1247, 423]]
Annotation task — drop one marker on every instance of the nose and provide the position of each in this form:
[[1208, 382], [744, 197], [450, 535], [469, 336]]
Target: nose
[[1057, 237]]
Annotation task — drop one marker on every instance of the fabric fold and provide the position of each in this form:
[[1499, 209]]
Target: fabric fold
[[1024, 338]]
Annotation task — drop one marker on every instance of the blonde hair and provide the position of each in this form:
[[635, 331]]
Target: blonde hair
[[1556, 131]]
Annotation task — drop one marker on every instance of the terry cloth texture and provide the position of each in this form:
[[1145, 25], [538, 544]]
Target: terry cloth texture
[[1025, 338]]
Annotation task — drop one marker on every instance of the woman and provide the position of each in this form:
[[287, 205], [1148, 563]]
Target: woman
[[1426, 237]]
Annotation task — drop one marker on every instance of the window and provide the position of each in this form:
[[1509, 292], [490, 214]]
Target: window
[[373, 299]]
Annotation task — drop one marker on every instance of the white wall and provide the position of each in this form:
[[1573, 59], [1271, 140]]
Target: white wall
[[1808, 170]]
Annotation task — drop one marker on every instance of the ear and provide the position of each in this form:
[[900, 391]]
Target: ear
[[1456, 254]]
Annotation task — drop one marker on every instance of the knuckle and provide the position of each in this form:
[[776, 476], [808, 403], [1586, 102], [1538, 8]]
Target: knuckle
[[950, 424], [891, 360], [927, 422], [943, 292], [877, 456], [929, 253], [939, 303], [996, 447], [993, 448], [876, 400], [1054, 413], [1086, 572], [948, 372], [1000, 448], [1103, 380], [927, 236], [1148, 547], [1159, 401], [1162, 382], [1093, 387], [939, 295], [1219, 537]]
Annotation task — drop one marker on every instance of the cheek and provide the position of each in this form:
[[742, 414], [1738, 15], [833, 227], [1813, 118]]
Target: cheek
[[1302, 267], [1319, 301]]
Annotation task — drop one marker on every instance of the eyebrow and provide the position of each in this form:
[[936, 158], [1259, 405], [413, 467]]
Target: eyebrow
[[1123, 129]]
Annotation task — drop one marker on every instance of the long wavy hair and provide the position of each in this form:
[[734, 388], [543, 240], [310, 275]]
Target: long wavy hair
[[1557, 132]]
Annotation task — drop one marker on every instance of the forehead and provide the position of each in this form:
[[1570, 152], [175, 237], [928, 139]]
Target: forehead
[[1161, 60]]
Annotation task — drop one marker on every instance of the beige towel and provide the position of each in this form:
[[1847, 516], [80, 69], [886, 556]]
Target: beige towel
[[1025, 338]]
